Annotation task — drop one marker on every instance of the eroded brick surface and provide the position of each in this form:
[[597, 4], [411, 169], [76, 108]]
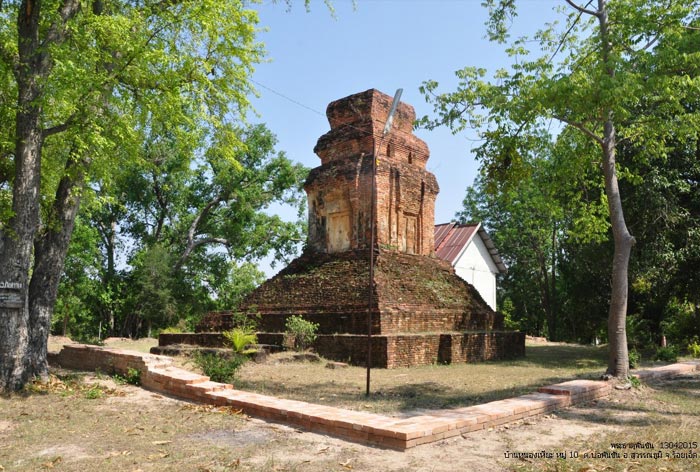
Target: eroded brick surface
[[422, 313]]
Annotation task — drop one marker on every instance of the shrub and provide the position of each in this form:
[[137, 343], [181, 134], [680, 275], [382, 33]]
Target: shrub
[[132, 377], [303, 332], [171, 330], [667, 354], [245, 321], [635, 382], [635, 358], [694, 348], [681, 323], [239, 339], [219, 367]]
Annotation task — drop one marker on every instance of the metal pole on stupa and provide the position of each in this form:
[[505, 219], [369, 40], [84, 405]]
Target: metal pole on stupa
[[375, 159]]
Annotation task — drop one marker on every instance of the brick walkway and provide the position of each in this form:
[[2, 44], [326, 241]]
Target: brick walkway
[[158, 374]]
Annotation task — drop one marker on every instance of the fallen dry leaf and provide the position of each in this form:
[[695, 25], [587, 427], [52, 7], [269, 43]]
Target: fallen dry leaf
[[51, 464]]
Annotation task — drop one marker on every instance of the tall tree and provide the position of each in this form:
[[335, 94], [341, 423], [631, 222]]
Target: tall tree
[[199, 213], [610, 56], [89, 77]]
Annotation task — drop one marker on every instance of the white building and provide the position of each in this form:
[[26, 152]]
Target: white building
[[473, 255]]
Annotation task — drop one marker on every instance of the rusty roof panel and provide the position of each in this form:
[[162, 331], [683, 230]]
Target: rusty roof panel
[[453, 243]]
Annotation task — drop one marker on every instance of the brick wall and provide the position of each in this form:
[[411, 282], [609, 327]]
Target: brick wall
[[340, 190], [390, 351], [195, 339]]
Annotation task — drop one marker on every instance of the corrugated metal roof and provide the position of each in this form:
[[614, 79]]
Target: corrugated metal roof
[[451, 240], [441, 232], [454, 240]]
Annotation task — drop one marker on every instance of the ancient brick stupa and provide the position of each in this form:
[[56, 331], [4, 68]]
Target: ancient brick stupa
[[422, 312]]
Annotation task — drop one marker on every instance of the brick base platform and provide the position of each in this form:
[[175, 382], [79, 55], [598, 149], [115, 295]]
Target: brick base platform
[[389, 351], [158, 374]]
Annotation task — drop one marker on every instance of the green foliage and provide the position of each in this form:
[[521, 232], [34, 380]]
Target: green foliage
[[172, 330], [694, 348], [667, 354], [151, 295], [145, 109], [132, 377], [635, 358], [540, 192], [634, 381], [638, 332], [302, 331], [246, 321], [508, 311], [680, 322], [177, 210], [219, 367], [94, 392], [239, 339]]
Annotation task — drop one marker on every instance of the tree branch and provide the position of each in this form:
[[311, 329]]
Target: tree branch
[[582, 9], [566, 34], [191, 242], [59, 128], [57, 32], [581, 127]]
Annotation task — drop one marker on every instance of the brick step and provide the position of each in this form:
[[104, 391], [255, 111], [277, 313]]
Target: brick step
[[175, 375]]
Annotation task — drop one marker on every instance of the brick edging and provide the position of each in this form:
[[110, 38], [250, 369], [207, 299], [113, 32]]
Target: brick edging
[[158, 374]]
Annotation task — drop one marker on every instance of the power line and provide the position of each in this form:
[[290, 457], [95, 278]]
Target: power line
[[296, 102], [365, 132]]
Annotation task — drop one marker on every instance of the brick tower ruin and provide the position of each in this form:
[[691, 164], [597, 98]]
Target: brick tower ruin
[[422, 313]]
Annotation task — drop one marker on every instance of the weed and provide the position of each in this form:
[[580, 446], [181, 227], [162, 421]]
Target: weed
[[132, 377], [94, 392], [635, 382], [219, 367]]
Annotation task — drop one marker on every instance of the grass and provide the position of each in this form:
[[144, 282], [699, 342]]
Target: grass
[[71, 425], [140, 345], [63, 427], [425, 387], [88, 423], [664, 415]]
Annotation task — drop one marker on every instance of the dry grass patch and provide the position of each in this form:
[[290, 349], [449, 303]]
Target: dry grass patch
[[663, 416], [56, 343], [64, 425], [425, 387]]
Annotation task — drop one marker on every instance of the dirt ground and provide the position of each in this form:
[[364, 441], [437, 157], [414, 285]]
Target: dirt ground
[[132, 429], [97, 424]]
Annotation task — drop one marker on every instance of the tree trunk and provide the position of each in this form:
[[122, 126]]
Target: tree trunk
[[618, 360], [17, 237], [50, 251], [618, 357], [545, 293], [554, 315]]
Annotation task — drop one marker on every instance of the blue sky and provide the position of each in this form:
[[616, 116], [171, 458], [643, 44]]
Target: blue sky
[[383, 44]]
